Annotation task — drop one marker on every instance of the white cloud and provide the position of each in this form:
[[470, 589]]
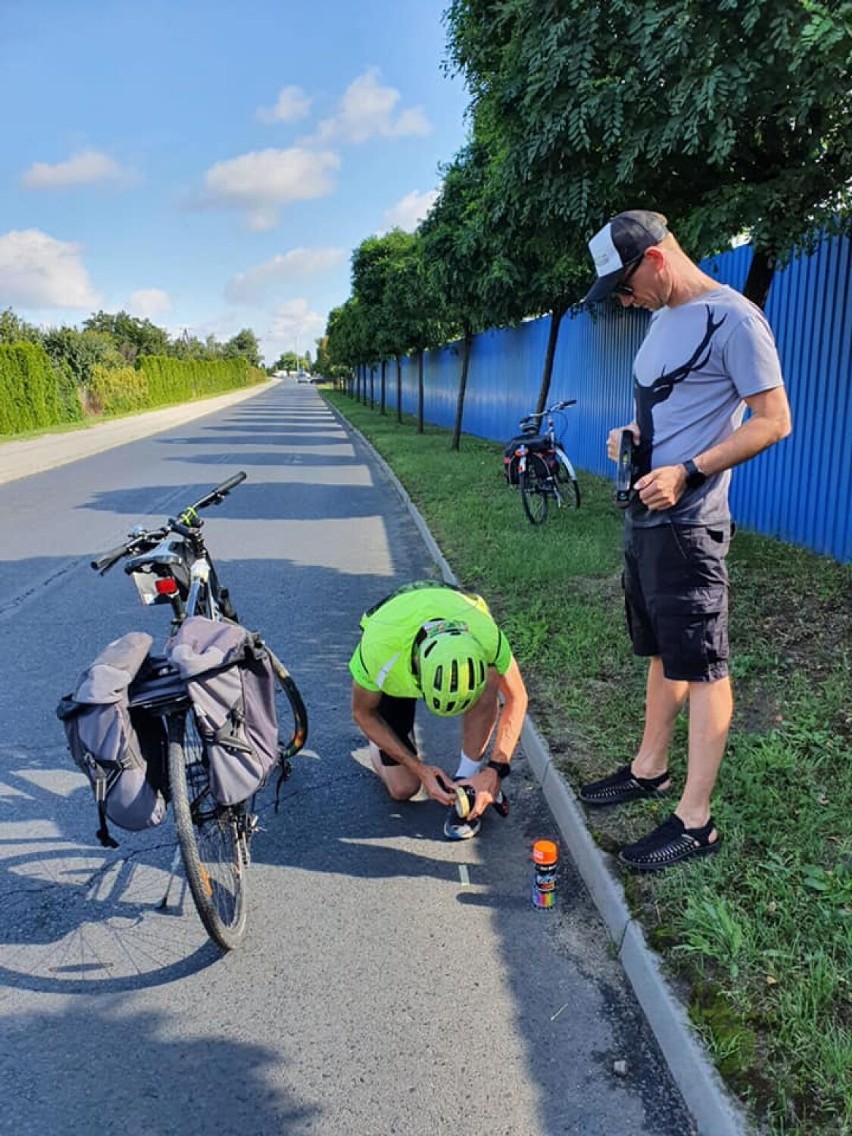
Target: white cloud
[[149, 302], [293, 323], [250, 287], [410, 210], [367, 109], [291, 105], [261, 182], [39, 271], [85, 168]]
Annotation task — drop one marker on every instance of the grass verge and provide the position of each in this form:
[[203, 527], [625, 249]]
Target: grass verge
[[758, 940]]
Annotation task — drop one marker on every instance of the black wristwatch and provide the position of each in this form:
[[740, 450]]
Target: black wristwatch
[[501, 768], [694, 477]]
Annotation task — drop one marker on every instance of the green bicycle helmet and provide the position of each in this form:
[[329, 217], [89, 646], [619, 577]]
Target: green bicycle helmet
[[452, 667]]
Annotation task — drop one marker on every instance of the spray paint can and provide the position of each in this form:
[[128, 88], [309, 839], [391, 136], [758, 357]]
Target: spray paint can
[[545, 855]]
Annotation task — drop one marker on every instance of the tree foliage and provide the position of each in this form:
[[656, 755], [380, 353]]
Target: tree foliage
[[243, 345], [730, 117], [133, 337]]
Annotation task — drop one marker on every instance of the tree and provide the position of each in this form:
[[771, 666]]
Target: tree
[[80, 351], [15, 330], [373, 263], [461, 264], [730, 117], [133, 337], [243, 345], [186, 346], [347, 343]]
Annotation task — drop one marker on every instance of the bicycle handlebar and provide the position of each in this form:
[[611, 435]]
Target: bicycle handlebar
[[551, 409], [214, 497], [217, 495]]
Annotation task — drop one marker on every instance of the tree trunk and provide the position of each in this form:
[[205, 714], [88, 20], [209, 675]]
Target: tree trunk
[[399, 389], [457, 429], [382, 388], [420, 392], [760, 273], [556, 315], [372, 387]]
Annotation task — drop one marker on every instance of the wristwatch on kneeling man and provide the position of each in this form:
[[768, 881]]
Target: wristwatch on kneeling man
[[501, 768]]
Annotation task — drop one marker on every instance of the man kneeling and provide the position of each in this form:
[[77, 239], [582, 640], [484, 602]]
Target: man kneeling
[[435, 642]]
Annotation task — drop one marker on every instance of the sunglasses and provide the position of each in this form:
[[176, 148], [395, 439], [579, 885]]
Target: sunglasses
[[622, 288]]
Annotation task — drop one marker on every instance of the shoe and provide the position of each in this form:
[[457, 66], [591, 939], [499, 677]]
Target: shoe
[[670, 843], [501, 805], [457, 829], [621, 787], [457, 825]]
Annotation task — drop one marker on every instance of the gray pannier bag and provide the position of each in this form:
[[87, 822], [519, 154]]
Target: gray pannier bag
[[232, 686], [104, 742]]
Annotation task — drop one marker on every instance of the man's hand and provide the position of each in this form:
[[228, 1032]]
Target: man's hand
[[613, 441], [486, 785], [434, 781], [662, 487]]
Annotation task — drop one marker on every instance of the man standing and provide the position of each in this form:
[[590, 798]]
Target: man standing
[[433, 641], [709, 353]]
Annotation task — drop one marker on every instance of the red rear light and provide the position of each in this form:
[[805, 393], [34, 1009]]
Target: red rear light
[[167, 587]]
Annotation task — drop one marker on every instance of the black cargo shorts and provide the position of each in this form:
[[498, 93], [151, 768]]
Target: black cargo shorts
[[676, 597]]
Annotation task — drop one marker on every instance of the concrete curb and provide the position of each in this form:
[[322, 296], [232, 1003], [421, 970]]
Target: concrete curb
[[50, 451], [703, 1091]]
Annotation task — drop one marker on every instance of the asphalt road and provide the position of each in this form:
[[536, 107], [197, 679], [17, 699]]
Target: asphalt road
[[391, 982]]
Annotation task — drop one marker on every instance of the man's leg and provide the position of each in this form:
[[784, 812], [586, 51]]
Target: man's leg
[[711, 706], [400, 782], [664, 700]]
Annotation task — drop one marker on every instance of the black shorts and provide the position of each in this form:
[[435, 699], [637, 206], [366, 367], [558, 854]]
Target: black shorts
[[398, 715], [676, 598]]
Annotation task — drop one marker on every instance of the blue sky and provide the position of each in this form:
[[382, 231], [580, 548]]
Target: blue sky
[[212, 165]]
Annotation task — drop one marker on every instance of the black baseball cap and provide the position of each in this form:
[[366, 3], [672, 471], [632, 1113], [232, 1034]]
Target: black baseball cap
[[620, 241]]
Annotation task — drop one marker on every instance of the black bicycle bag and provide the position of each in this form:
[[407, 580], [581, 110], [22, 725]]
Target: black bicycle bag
[[232, 686], [535, 443], [123, 753]]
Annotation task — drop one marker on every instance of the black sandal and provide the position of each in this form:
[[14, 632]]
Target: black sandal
[[670, 843], [621, 787]]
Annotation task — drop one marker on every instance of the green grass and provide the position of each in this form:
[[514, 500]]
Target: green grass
[[759, 938]]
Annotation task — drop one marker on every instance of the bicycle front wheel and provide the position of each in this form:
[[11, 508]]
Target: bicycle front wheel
[[533, 483], [213, 838], [567, 484]]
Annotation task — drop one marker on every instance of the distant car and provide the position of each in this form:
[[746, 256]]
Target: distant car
[[303, 377]]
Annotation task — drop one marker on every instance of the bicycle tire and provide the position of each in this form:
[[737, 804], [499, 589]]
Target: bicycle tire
[[293, 707], [535, 494], [214, 850], [569, 487]]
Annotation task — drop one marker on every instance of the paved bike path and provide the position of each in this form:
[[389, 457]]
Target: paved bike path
[[391, 982]]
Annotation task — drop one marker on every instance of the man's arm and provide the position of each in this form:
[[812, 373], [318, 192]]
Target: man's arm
[[770, 421], [365, 711], [513, 693]]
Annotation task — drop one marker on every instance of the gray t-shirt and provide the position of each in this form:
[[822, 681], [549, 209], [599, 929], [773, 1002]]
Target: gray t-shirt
[[697, 363]]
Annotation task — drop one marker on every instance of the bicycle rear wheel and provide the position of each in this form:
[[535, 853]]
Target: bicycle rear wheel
[[213, 838], [291, 711], [535, 492]]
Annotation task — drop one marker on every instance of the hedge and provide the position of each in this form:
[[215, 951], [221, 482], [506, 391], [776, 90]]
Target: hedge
[[32, 393]]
